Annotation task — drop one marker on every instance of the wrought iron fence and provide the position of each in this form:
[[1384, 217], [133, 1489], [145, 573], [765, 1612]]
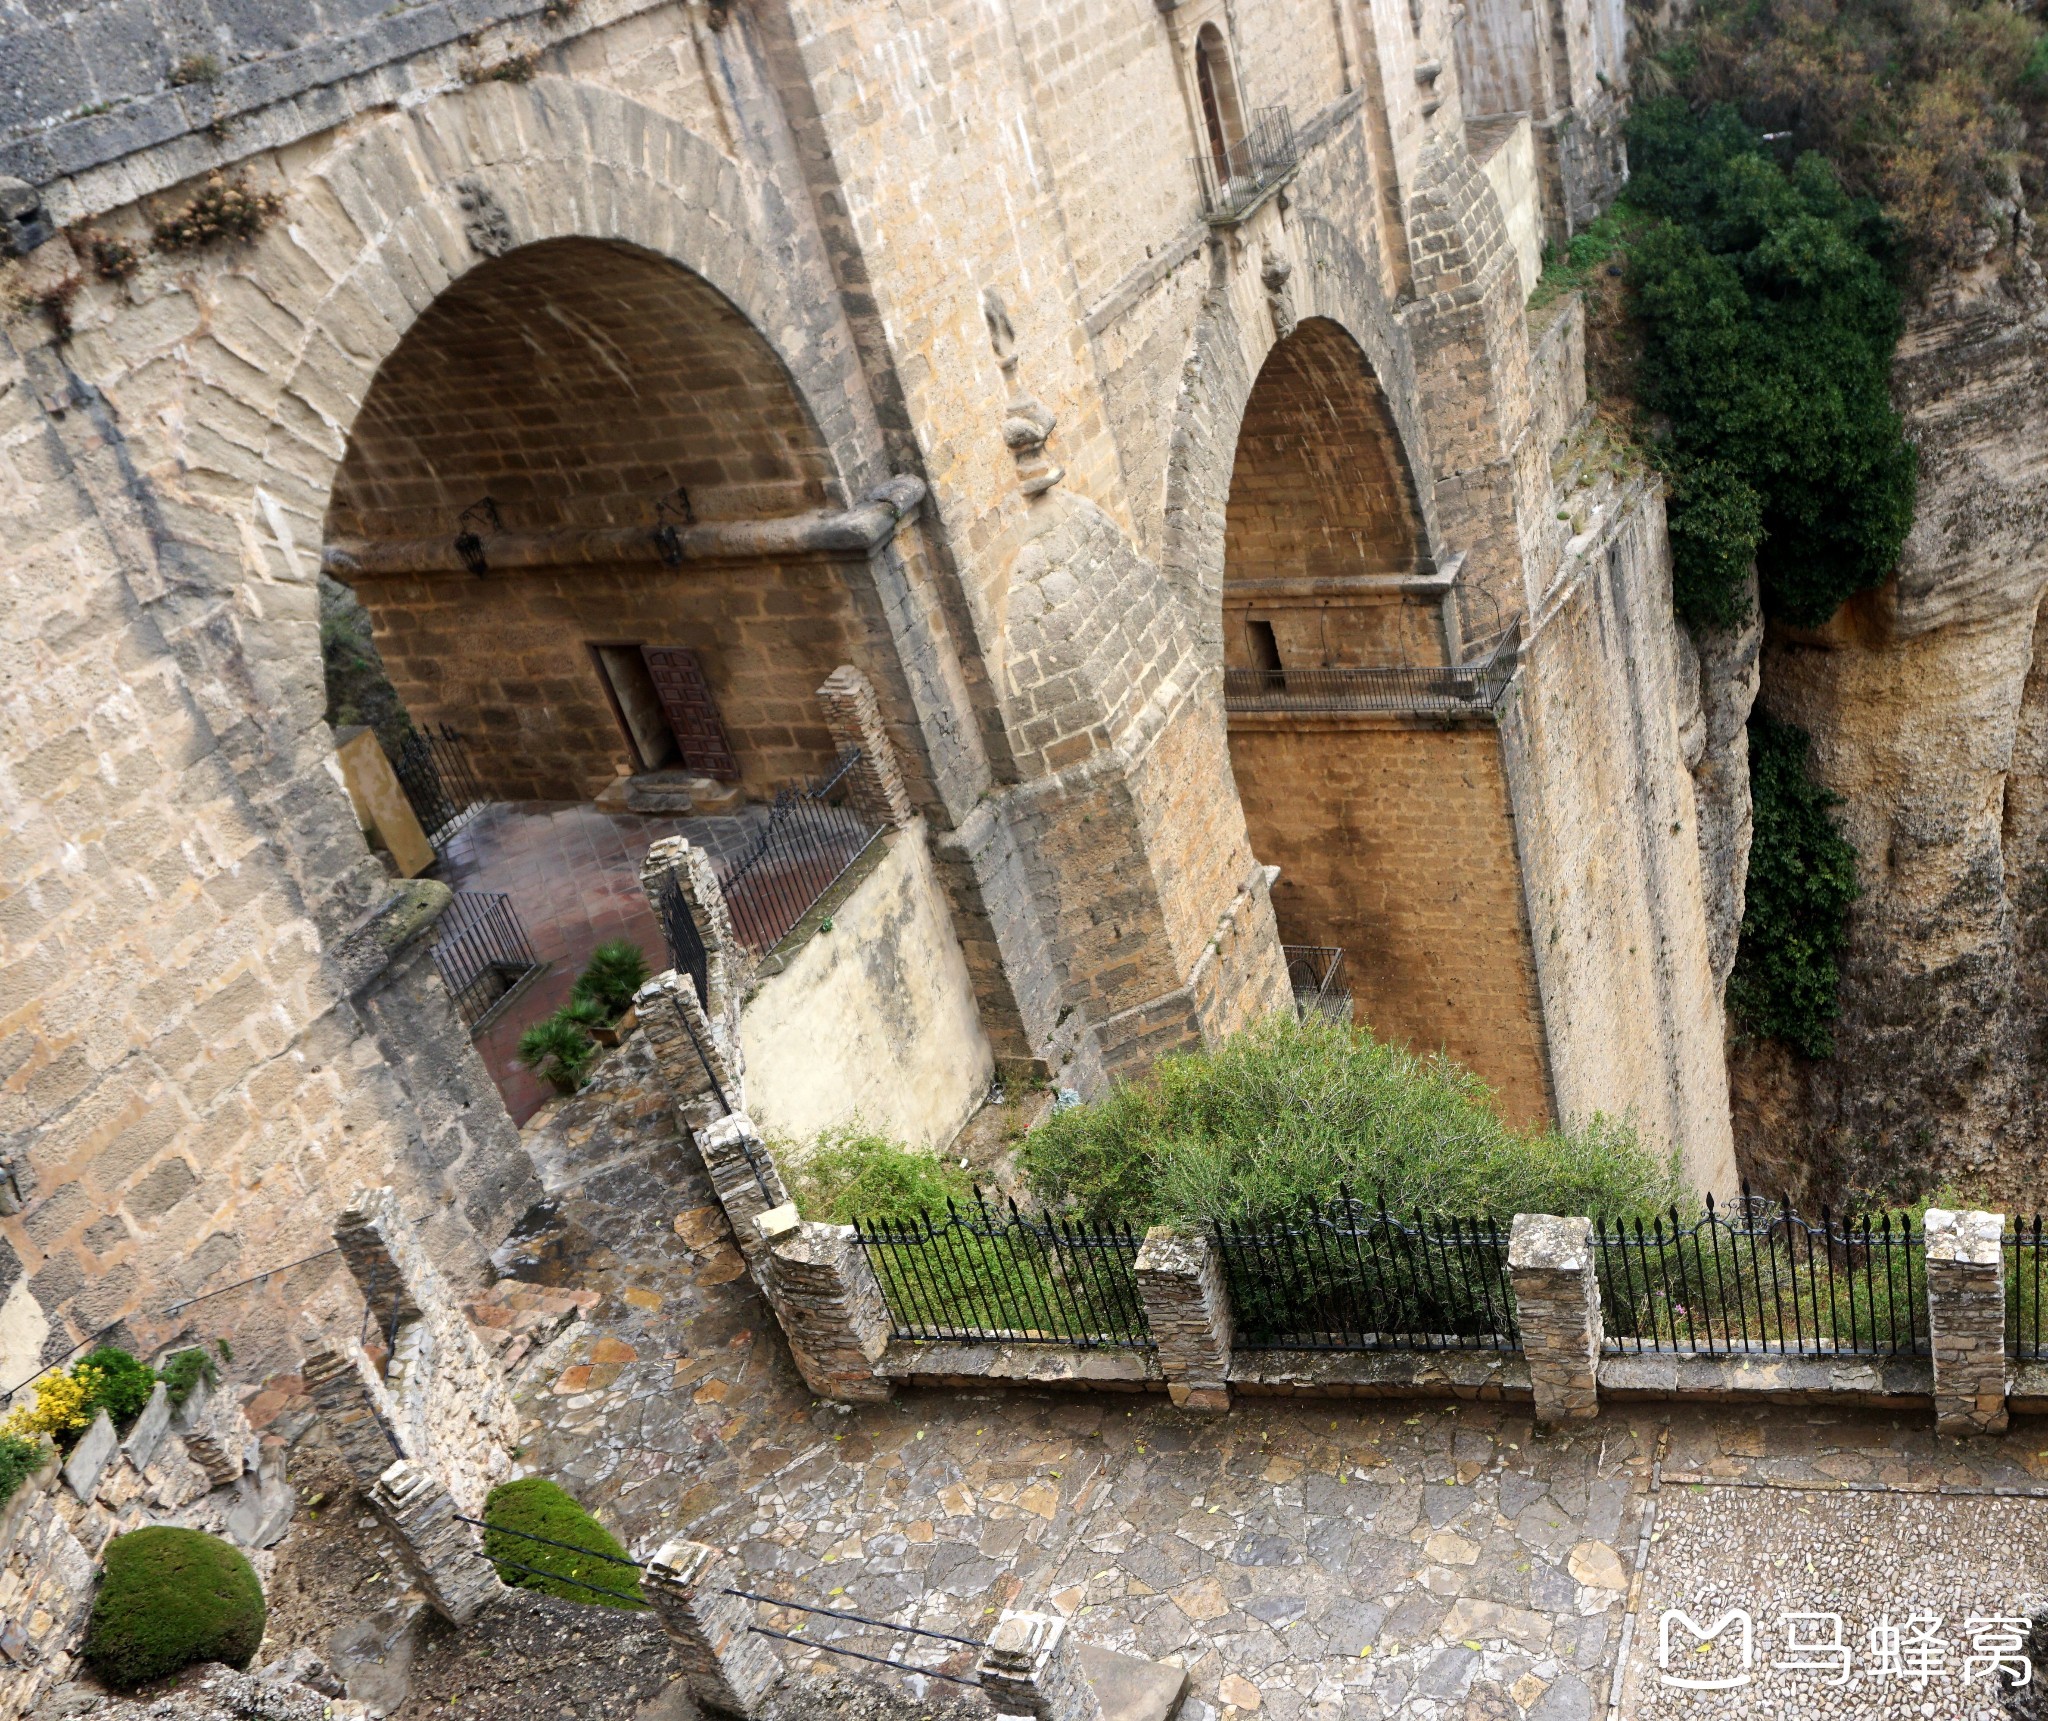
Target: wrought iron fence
[[1234, 181], [2024, 1338], [483, 954], [994, 1273], [1348, 1276], [1764, 1279], [810, 839], [1410, 689], [434, 769], [1316, 972], [685, 943]]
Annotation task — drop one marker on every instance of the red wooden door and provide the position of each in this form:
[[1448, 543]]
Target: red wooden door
[[692, 713]]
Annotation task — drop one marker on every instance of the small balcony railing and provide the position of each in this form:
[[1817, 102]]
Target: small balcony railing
[[1234, 182], [1413, 690], [1316, 972]]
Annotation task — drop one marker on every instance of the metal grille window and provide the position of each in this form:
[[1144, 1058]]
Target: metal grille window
[[1764, 1279], [1316, 973], [483, 955], [1419, 689], [999, 1275], [1348, 1276]]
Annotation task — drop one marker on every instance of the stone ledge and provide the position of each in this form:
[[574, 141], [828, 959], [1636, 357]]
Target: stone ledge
[[1475, 1374], [1885, 1381], [2026, 1388], [938, 1362]]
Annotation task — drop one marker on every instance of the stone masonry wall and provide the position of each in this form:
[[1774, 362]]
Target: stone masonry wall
[[1395, 841]]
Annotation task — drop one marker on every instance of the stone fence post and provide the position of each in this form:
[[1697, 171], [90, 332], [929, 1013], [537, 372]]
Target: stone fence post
[[1557, 1306], [744, 1176], [1966, 1319], [831, 1308], [1030, 1667], [727, 1666], [1180, 1280], [854, 718], [444, 1553]]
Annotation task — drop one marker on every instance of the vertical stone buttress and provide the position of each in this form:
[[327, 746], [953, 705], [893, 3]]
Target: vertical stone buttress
[[727, 1667], [1966, 1319], [830, 1305], [1557, 1307]]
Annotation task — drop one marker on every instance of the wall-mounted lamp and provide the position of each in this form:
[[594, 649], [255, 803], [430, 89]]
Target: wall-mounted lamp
[[468, 544], [673, 512]]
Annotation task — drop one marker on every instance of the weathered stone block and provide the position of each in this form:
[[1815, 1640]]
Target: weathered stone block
[[1180, 1280], [1030, 1668], [1557, 1306], [1966, 1319], [832, 1311], [90, 1457], [728, 1667]]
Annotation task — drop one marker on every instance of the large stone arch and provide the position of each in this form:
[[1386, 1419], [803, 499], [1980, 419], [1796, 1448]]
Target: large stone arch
[[1327, 278]]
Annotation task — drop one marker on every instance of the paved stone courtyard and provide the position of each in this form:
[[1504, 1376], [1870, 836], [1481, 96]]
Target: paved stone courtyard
[[1303, 1559]]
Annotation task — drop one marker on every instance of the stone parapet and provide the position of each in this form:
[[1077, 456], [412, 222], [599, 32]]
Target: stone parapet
[[1030, 1667], [700, 1067], [831, 1308], [1966, 1319], [1180, 1279], [854, 717], [352, 1405], [728, 1667], [1557, 1306], [743, 1174], [443, 1553]]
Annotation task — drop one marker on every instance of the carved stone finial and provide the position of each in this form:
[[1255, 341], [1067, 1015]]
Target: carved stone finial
[[1275, 274], [1027, 424]]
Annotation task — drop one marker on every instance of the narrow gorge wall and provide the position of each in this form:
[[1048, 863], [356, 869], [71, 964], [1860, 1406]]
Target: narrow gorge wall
[[1928, 705]]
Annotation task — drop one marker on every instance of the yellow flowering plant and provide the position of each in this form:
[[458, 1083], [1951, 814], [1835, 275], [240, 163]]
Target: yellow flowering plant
[[64, 1406]]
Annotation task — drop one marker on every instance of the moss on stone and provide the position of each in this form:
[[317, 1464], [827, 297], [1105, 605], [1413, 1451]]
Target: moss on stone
[[528, 1519]]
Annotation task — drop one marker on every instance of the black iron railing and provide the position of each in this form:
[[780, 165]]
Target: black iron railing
[[1316, 972], [687, 954], [1234, 181], [2024, 1336], [1350, 1276], [1761, 1278], [483, 954], [811, 837], [435, 771], [1408, 689], [993, 1273]]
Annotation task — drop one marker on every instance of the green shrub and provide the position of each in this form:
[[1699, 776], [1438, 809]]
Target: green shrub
[[539, 1508], [617, 969], [167, 1598], [184, 1370], [1802, 879], [1290, 1111], [1769, 315], [21, 1456], [558, 1051], [116, 1383], [855, 1174]]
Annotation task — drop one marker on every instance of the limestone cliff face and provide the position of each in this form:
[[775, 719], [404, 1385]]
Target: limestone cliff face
[[1718, 671], [1928, 705]]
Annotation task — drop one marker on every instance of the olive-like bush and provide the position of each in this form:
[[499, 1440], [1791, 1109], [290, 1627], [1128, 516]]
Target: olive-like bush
[[168, 1598]]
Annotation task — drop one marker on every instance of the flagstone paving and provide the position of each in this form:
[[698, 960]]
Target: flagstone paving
[[1333, 1562]]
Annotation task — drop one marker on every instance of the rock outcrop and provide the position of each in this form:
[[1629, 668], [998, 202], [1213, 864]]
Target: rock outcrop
[[1927, 701]]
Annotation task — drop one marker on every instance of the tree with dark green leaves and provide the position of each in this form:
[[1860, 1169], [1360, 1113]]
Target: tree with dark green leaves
[[1802, 879], [1769, 307]]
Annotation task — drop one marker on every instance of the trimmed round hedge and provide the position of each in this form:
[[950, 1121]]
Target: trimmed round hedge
[[169, 1597], [539, 1508]]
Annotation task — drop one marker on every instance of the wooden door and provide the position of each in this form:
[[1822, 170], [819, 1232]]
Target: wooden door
[[692, 712]]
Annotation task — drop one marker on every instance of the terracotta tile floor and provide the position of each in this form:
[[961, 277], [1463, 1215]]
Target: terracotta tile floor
[[573, 874]]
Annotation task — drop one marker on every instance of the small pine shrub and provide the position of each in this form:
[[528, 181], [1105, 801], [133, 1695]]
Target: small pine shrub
[[20, 1458], [853, 1173], [1802, 878], [184, 1370], [616, 971], [118, 1383], [536, 1506], [558, 1051], [168, 1598], [221, 209]]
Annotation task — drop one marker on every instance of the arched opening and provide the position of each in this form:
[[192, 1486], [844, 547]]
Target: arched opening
[[585, 514], [1222, 113], [1362, 728]]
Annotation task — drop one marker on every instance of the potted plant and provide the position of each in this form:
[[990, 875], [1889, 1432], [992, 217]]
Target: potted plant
[[602, 1001]]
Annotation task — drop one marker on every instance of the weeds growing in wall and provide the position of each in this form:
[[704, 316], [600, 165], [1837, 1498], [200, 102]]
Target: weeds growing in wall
[[1802, 879]]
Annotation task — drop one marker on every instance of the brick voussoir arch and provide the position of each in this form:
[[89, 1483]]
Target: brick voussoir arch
[[1333, 281], [396, 215]]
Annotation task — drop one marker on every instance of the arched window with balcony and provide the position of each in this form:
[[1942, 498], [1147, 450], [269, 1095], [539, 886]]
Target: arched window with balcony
[[1222, 112]]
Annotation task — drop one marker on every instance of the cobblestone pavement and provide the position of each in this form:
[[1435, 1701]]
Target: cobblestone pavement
[[1303, 1559]]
